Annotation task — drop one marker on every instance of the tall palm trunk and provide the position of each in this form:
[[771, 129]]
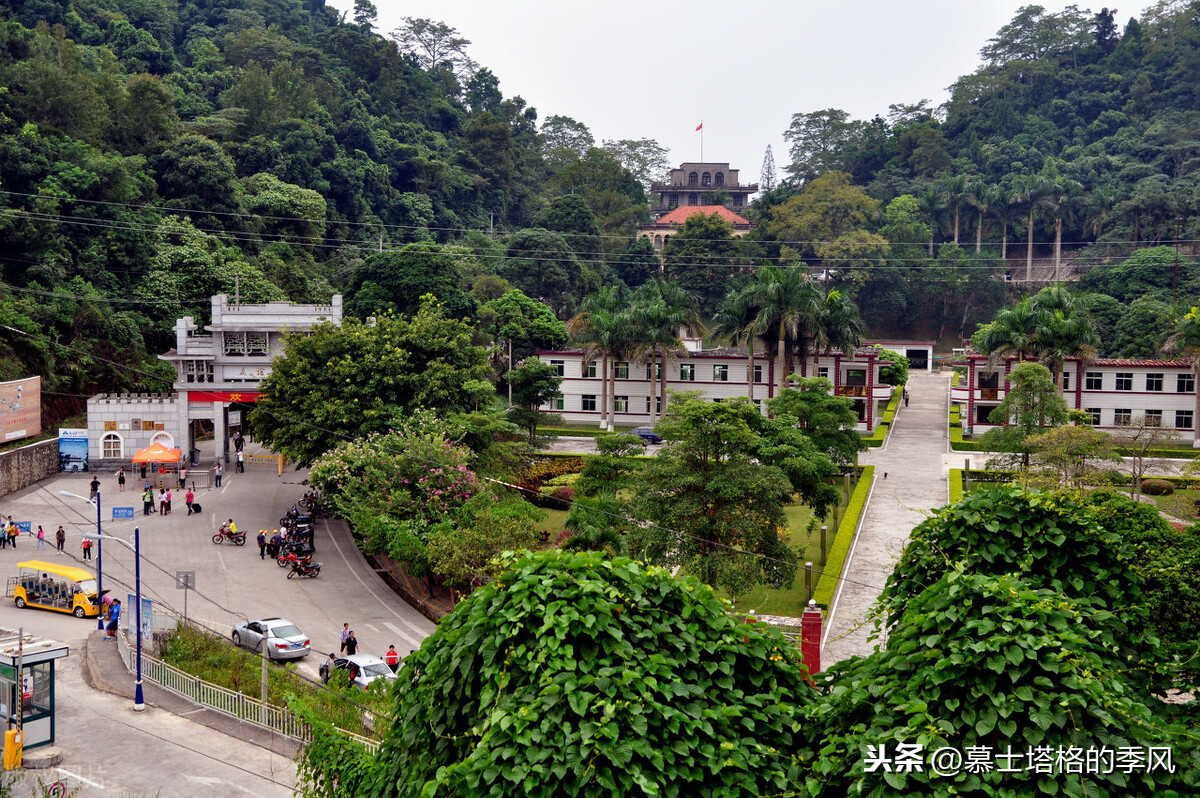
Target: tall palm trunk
[[1004, 244], [1029, 250], [955, 224], [750, 368], [604, 390], [781, 356], [651, 375], [979, 234], [1057, 247]]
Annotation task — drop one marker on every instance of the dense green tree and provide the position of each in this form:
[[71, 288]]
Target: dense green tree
[[348, 381], [521, 325], [637, 264], [543, 265], [1031, 404], [828, 420], [398, 279], [534, 384], [571, 216], [703, 257]]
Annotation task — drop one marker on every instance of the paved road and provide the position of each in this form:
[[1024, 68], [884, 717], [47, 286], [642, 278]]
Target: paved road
[[232, 584], [911, 477]]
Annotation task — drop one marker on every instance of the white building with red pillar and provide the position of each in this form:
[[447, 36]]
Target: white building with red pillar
[[716, 374], [218, 372], [1112, 391]]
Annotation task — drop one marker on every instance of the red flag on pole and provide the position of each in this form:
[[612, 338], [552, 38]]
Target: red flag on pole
[[699, 126]]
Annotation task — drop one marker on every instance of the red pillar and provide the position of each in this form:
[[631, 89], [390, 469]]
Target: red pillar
[[811, 623], [870, 393], [970, 419]]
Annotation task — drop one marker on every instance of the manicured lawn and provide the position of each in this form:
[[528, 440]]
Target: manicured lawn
[[769, 601], [1181, 504], [553, 522]]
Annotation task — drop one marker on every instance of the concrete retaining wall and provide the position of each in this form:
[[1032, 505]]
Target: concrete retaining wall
[[23, 467]]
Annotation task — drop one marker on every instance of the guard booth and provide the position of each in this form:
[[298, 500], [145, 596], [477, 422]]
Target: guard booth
[[27, 698]]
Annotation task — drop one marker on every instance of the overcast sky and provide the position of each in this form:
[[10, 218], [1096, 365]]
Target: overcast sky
[[631, 70]]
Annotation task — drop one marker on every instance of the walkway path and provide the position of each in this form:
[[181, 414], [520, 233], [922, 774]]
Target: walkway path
[[910, 478]]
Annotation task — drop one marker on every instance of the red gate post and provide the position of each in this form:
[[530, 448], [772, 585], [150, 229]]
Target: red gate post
[[811, 623]]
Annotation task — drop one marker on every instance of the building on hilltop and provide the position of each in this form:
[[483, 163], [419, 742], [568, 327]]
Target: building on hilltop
[[700, 184], [661, 230], [716, 373], [216, 372]]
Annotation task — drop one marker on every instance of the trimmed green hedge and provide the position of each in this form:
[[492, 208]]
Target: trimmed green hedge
[[876, 439], [574, 433], [832, 572]]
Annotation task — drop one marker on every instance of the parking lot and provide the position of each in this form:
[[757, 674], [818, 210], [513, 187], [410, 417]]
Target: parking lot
[[232, 583]]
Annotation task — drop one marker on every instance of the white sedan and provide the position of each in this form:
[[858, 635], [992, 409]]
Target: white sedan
[[282, 638]]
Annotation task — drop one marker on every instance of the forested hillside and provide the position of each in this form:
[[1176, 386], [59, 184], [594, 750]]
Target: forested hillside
[[154, 152]]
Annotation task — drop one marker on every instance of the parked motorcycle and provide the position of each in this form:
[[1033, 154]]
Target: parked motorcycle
[[310, 569], [238, 538], [294, 555]]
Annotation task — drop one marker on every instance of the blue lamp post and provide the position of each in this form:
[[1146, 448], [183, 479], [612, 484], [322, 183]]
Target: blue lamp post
[[99, 556]]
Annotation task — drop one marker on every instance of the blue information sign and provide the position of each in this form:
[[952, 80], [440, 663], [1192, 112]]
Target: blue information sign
[[24, 526], [122, 512]]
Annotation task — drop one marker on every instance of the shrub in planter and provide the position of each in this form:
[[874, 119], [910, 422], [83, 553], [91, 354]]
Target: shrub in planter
[[1157, 487], [565, 494]]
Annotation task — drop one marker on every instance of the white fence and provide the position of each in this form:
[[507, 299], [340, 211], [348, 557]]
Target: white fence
[[228, 702]]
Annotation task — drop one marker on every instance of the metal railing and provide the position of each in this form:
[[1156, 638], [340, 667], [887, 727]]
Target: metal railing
[[220, 699]]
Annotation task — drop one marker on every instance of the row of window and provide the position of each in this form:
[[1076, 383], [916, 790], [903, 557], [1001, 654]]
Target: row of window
[[1122, 381], [688, 372], [621, 404], [1123, 417], [112, 445], [705, 179]]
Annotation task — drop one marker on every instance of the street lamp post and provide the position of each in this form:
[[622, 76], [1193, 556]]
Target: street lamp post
[[139, 702], [99, 556]]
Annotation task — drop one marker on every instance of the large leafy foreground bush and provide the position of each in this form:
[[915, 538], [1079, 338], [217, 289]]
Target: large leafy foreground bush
[[573, 674]]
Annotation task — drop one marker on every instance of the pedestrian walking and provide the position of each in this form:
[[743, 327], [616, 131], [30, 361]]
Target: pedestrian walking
[[241, 463], [906, 398], [13, 533], [95, 488], [86, 545], [41, 536], [262, 544], [188, 498], [162, 501], [392, 658], [121, 479], [345, 636], [60, 538], [217, 474], [168, 498], [238, 443], [114, 615], [147, 501], [273, 546], [351, 645]]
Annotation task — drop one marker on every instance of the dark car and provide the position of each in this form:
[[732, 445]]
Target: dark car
[[647, 434]]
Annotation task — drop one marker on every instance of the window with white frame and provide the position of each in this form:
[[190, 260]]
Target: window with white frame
[[1153, 418], [687, 372], [657, 371], [591, 369], [1093, 381], [1185, 383], [560, 367], [758, 374], [197, 371], [721, 373], [1154, 382], [112, 447], [1066, 380], [1094, 414], [588, 401], [621, 404], [621, 370], [558, 403], [657, 404], [823, 372], [1122, 417], [1124, 381], [1184, 419]]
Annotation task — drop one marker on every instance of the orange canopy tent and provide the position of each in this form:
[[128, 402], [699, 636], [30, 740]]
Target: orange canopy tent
[[157, 453]]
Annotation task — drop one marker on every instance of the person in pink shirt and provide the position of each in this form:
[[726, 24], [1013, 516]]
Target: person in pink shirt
[[188, 498]]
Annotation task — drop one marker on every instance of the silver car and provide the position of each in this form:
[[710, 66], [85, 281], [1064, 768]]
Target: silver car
[[363, 668], [283, 639]]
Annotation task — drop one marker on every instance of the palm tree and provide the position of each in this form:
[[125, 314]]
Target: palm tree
[[956, 190], [790, 304], [1012, 332], [1063, 334], [1030, 191], [1100, 205], [982, 197], [1186, 340], [841, 326], [597, 524], [1062, 198], [601, 327], [735, 322], [932, 203], [680, 311]]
